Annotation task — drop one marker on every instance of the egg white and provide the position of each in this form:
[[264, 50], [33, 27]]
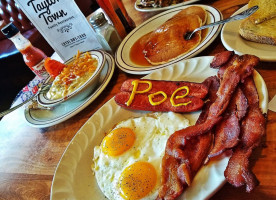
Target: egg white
[[152, 132]]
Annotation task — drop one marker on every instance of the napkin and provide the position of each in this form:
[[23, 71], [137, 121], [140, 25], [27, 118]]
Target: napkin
[[32, 87], [272, 104]]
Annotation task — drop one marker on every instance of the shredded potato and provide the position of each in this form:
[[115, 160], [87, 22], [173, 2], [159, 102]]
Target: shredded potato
[[73, 75], [77, 68]]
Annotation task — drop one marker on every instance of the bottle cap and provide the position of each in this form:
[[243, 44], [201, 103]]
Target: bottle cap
[[98, 20], [9, 30]]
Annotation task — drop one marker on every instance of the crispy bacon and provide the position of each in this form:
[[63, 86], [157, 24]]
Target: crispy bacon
[[228, 130], [238, 71], [221, 58], [238, 171], [241, 68], [178, 174], [223, 67]]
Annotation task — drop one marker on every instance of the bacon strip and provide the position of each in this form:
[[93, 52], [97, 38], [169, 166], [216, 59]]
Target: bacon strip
[[238, 172], [195, 89], [241, 68], [228, 130], [221, 58], [176, 174]]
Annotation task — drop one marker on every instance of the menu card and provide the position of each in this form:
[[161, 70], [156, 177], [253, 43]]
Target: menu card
[[62, 24]]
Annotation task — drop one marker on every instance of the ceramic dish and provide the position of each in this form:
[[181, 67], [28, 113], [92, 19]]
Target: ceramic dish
[[73, 178], [154, 9], [122, 57], [232, 41], [45, 118], [84, 90]]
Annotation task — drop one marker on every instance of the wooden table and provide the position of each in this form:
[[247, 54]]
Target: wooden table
[[29, 156]]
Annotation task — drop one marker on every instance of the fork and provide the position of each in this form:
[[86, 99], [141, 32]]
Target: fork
[[239, 16], [42, 87]]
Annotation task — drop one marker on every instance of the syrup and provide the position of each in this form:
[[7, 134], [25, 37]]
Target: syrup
[[136, 52]]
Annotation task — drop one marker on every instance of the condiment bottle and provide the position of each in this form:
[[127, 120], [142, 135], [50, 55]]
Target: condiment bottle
[[118, 15], [33, 57], [131, 23], [106, 33]]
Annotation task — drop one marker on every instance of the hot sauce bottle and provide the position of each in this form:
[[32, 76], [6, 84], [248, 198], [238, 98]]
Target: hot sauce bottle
[[33, 57]]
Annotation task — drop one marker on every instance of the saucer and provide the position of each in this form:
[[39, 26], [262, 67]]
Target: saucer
[[41, 118]]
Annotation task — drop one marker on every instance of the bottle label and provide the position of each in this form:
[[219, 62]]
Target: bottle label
[[40, 70]]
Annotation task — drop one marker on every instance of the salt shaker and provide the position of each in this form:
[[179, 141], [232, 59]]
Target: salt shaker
[[106, 33]]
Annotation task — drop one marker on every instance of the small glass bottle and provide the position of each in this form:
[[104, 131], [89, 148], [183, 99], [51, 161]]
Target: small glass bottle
[[110, 12], [33, 57], [106, 33]]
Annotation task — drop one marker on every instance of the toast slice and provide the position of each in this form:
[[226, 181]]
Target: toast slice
[[262, 33], [266, 11]]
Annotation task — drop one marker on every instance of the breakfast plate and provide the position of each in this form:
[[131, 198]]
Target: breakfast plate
[[139, 7], [74, 179], [122, 56], [44, 118], [232, 41]]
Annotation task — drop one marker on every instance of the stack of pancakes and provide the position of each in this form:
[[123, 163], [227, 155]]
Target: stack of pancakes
[[167, 42]]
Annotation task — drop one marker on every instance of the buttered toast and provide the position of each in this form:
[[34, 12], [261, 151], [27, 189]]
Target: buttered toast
[[266, 11], [264, 32]]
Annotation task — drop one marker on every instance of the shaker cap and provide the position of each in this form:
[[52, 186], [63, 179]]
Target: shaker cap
[[98, 20], [10, 30]]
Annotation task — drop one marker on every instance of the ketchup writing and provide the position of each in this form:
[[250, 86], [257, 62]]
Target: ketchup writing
[[33, 57]]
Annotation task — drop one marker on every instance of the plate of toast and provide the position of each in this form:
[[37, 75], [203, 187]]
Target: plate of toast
[[255, 35]]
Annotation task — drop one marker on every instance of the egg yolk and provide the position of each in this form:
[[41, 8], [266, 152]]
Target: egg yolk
[[137, 180], [118, 141]]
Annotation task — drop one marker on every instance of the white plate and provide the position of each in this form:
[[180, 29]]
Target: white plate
[[152, 9], [232, 41], [63, 111], [122, 57], [74, 179]]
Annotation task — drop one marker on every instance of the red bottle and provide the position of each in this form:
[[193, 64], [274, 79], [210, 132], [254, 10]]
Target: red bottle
[[116, 12], [33, 57], [130, 22]]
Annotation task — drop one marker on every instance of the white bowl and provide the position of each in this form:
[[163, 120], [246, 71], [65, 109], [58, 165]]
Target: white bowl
[[84, 90]]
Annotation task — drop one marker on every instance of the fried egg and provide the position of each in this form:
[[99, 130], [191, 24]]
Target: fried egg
[[127, 164]]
